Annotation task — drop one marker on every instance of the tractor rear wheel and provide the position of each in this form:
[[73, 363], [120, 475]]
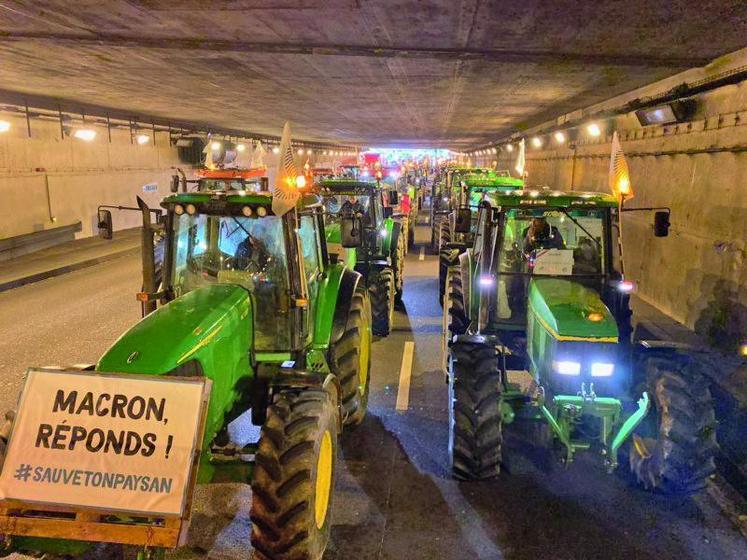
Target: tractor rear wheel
[[475, 421], [672, 451], [454, 317], [381, 291], [411, 234], [294, 477], [398, 267], [446, 258], [350, 359]]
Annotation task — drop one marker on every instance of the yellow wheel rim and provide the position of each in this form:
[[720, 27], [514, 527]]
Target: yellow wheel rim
[[363, 355], [323, 479]]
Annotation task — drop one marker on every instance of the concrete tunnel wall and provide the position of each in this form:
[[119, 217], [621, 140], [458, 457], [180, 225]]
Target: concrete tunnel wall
[[697, 275], [46, 182]]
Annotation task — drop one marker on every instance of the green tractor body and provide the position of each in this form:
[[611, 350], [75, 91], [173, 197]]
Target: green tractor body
[[537, 330], [379, 254], [253, 302]]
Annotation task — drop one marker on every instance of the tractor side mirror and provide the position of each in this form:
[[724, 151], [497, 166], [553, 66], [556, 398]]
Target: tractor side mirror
[[175, 183], [388, 211], [350, 232], [661, 223], [463, 221], [393, 198], [106, 229]]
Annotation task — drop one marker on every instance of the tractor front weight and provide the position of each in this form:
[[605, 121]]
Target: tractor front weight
[[566, 411]]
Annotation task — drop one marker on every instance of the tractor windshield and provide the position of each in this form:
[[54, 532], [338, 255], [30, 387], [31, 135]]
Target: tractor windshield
[[551, 242], [249, 252], [338, 205]]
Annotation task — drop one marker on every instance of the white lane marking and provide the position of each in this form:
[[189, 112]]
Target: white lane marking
[[405, 373], [422, 253]]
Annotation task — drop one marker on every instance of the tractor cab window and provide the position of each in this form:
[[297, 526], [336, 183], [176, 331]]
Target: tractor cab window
[[310, 246], [550, 242], [341, 204], [249, 252], [221, 184]]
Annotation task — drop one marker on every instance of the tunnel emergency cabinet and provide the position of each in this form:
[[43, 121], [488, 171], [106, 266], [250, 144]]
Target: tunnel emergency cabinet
[[103, 458]]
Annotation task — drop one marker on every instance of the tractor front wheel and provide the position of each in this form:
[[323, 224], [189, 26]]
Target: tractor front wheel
[[350, 359], [475, 421], [381, 291], [294, 477], [672, 451]]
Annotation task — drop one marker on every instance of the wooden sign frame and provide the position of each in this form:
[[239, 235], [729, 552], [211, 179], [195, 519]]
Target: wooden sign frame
[[27, 519]]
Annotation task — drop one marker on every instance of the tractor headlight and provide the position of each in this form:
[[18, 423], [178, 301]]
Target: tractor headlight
[[382, 233], [567, 367], [602, 369], [178, 209]]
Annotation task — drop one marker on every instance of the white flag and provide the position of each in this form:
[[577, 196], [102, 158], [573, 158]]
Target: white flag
[[258, 156], [285, 194], [521, 159], [208, 151], [619, 175]]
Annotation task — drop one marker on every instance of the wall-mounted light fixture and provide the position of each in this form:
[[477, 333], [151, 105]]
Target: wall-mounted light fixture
[[4, 126], [85, 134]]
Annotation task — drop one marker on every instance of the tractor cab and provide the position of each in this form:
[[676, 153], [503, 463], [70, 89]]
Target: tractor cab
[[216, 238], [362, 232]]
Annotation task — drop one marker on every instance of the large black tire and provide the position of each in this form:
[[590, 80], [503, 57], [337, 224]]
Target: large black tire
[[458, 322], [454, 318], [381, 291], [673, 450], [398, 267], [475, 421], [294, 477], [350, 359], [411, 234], [446, 258]]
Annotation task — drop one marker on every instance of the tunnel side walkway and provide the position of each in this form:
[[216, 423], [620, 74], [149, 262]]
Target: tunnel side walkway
[[66, 257]]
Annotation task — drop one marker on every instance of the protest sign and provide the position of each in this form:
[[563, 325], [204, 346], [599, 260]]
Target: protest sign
[[114, 442]]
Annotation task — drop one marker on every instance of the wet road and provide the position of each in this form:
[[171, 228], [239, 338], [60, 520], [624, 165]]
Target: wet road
[[394, 496]]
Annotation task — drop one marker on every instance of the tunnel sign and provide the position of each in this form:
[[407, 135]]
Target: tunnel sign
[[106, 441]]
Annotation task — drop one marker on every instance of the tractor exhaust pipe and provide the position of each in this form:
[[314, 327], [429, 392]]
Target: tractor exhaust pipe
[[147, 250]]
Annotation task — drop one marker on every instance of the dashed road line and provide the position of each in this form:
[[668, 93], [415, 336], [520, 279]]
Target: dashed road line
[[405, 374], [422, 253]]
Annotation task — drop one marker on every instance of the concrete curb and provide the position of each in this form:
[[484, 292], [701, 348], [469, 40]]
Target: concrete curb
[[39, 276]]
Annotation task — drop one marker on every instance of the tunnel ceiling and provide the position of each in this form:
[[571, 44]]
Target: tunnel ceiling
[[448, 73]]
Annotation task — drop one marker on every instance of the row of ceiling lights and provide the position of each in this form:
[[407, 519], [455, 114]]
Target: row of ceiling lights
[[88, 134], [594, 130]]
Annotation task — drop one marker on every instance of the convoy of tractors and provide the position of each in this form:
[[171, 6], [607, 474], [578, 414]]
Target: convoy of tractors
[[279, 312]]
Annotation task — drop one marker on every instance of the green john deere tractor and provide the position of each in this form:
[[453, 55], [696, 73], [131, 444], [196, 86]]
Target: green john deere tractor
[[380, 255], [538, 331], [442, 201], [254, 302], [466, 192]]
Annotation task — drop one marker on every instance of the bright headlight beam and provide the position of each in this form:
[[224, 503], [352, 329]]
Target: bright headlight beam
[[601, 369], [567, 367]]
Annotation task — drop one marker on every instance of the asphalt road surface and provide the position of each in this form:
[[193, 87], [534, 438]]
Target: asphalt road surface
[[394, 497]]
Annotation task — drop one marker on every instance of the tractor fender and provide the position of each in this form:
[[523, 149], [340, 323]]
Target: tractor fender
[[465, 269], [393, 236], [348, 284], [392, 228]]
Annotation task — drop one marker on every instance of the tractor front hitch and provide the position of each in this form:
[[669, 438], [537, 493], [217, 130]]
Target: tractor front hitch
[[569, 409]]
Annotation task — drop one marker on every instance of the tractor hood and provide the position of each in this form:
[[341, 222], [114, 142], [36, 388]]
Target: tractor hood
[[570, 311], [208, 323]]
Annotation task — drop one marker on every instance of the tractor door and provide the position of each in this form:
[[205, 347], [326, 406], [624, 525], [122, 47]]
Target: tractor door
[[309, 236]]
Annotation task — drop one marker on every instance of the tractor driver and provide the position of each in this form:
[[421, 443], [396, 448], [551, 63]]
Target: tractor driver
[[541, 235], [251, 253], [354, 206]]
